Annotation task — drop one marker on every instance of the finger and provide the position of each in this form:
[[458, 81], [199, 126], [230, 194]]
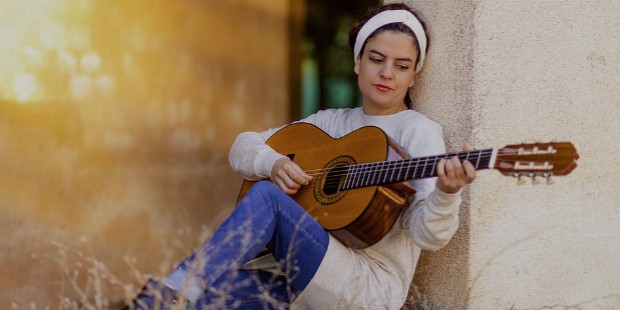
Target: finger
[[459, 173], [298, 175], [282, 185], [470, 171], [290, 183], [302, 172], [449, 169], [283, 175], [441, 166], [467, 148]]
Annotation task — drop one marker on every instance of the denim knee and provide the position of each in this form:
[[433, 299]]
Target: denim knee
[[264, 185], [263, 189]]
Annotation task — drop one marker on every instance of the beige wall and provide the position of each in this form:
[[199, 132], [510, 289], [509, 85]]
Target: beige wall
[[116, 119], [503, 72]]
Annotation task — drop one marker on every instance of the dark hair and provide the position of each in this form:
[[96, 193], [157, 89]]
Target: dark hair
[[396, 27]]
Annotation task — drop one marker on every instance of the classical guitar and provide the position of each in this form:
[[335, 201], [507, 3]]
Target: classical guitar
[[361, 183]]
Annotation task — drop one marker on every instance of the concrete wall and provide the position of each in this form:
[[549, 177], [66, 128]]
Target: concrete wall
[[116, 119], [502, 72]]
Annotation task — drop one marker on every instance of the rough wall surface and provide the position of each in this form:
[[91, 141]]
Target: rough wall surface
[[547, 70], [523, 71], [116, 119]]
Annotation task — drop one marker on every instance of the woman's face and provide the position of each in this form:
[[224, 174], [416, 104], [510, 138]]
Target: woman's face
[[385, 72]]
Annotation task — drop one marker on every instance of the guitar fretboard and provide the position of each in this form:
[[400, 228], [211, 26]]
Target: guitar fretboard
[[387, 172]]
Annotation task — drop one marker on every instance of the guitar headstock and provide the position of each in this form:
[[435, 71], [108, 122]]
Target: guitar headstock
[[537, 160]]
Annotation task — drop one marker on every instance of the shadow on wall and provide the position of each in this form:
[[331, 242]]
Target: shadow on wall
[[116, 122]]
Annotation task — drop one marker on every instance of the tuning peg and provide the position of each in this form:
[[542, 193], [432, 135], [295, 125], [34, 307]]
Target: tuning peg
[[547, 176], [520, 180], [535, 181]]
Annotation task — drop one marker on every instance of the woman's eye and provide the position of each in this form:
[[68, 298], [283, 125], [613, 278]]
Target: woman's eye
[[376, 60], [404, 68]]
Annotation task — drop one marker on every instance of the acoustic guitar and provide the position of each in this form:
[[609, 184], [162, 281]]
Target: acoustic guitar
[[360, 181]]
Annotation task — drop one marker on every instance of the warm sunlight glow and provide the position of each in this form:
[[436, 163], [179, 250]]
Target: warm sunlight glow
[[118, 114], [42, 45], [24, 86]]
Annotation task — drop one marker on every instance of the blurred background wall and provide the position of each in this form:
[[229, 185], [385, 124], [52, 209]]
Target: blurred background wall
[[116, 119]]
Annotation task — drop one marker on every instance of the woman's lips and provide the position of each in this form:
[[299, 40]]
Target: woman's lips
[[382, 88]]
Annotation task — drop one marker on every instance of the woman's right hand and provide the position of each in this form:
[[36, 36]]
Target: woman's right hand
[[288, 176]]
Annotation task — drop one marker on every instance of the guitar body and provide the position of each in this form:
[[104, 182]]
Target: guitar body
[[357, 217]]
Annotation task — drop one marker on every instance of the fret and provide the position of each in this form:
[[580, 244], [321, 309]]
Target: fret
[[371, 174], [416, 168], [408, 166], [346, 180], [380, 169], [359, 176], [366, 177], [374, 176], [376, 173], [392, 176], [356, 175], [423, 170], [435, 160], [385, 172], [478, 160], [446, 157], [399, 176], [486, 160], [350, 176], [397, 166]]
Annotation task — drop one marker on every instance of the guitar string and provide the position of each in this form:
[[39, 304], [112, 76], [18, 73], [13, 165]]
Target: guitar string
[[337, 182], [503, 151], [400, 164], [371, 174], [384, 165], [409, 161]]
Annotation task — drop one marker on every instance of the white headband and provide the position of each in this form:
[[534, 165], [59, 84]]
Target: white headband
[[389, 17]]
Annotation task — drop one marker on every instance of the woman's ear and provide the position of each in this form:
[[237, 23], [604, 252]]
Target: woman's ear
[[356, 68], [412, 81]]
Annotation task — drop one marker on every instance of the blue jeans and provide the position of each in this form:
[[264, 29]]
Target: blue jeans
[[265, 217]]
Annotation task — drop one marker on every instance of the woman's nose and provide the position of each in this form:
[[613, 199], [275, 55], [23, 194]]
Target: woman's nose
[[386, 72]]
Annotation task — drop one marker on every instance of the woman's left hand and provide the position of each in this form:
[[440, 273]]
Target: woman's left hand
[[454, 175]]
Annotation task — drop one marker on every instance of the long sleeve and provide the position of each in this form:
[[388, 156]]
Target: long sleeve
[[432, 218], [250, 157]]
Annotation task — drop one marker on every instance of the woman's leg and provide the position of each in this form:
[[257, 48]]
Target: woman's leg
[[248, 289], [264, 217]]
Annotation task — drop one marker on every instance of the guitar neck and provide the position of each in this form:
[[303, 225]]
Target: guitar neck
[[387, 172]]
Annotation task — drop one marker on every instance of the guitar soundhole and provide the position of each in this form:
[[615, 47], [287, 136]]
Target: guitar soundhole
[[334, 179], [327, 185]]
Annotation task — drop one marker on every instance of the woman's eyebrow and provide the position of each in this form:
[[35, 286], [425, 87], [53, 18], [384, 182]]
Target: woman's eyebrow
[[380, 54]]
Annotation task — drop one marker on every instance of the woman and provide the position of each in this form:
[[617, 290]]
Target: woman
[[314, 269]]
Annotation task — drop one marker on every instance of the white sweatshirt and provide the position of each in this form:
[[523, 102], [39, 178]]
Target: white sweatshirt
[[379, 276]]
